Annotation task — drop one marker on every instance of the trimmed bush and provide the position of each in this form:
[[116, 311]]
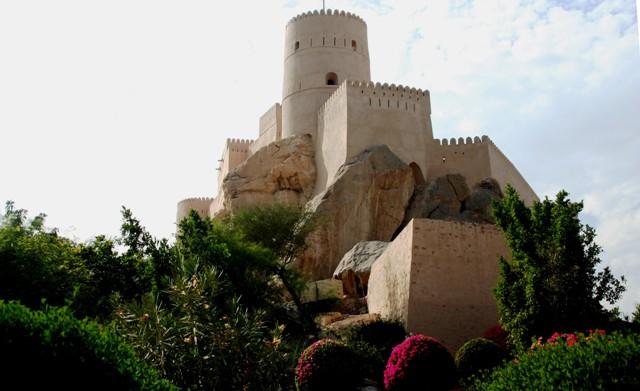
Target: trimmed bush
[[476, 355], [328, 365], [52, 347], [420, 362], [599, 362]]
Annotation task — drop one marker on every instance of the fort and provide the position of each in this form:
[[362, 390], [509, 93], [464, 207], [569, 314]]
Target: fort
[[436, 273]]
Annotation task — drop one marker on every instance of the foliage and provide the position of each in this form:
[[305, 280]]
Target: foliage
[[635, 317], [328, 365], [245, 269], [37, 264], [551, 282], [199, 346], [374, 341], [420, 362], [476, 355], [602, 362], [282, 228], [54, 348]]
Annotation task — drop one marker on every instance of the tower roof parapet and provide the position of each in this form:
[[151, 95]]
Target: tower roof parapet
[[329, 12], [388, 87], [462, 141]]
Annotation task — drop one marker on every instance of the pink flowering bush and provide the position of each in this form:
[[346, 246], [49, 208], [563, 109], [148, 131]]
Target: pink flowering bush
[[569, 339], [328, 365], [420, 362]]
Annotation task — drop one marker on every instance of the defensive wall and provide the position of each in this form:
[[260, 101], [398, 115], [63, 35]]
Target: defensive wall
[[200, 204], [437, 278], [360, 114], [270, 128], [476, 159], [322, 49]]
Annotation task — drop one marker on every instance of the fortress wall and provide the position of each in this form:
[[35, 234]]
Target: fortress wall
[[389, 282], [506, 173], [236, 151], [468, 157], [437, 277], [270, 128], [454, 269], [199, 204], [397, 116], [331, 139], [476, 159]]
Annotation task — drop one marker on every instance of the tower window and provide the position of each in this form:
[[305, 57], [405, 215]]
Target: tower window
[[332, 79], [297, 46], [354, 45]]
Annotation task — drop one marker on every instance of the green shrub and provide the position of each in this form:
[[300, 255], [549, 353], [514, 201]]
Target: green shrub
[[476, 355], [201, 346], [52, 347], [374, 341], [328, 365], [601, 362], [418, 363]]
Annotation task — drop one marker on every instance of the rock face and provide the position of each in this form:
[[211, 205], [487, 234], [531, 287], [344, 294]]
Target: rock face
[[283, 171], [448, 198], [366, 201], [355, 267]]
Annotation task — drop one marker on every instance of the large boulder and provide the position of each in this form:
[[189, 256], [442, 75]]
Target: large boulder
[[448, 198], [355, 266], [283, 171], [366, 201]]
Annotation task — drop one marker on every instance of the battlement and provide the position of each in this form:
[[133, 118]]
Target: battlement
[[329, 12], [196, 199], [462, 141], [238, 144], [381, 95], [384, 89]]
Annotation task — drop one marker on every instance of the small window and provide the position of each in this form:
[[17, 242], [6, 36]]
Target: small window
[[297, 46], [354, 45], [332, 79]]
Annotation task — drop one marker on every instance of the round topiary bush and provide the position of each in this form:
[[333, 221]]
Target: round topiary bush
[[476, 355], [328, 365], [420, 362], [51, 349], [383, 335]]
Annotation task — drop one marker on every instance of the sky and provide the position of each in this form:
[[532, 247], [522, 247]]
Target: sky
[[104, 104]]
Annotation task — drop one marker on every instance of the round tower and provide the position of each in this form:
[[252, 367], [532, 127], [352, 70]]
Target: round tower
[[322, 49]]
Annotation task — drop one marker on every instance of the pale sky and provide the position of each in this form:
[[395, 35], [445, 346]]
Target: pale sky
[[110, 103]]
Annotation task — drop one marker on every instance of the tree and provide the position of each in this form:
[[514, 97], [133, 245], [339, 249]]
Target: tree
[[35, 263], [282, 228], [551, 282]]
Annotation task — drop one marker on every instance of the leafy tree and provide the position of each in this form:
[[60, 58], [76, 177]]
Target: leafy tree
[[551, 282], [635, 317], [35, 263], [282, 228]]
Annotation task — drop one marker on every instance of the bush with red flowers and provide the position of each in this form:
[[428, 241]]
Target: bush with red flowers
[[498, 335], [569, 339], [420, 362], [328, 365]]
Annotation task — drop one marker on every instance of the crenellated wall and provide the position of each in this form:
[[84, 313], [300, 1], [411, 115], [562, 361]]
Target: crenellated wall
[[199, 204], [476, 159], [361, 114], [235, 152]]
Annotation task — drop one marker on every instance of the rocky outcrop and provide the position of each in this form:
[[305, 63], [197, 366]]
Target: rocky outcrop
[[366, 201], [448, 198], [283, 171], [355, 266]]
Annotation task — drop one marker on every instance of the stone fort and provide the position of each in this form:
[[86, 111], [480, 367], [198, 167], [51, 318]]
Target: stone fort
[[407, 213]]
